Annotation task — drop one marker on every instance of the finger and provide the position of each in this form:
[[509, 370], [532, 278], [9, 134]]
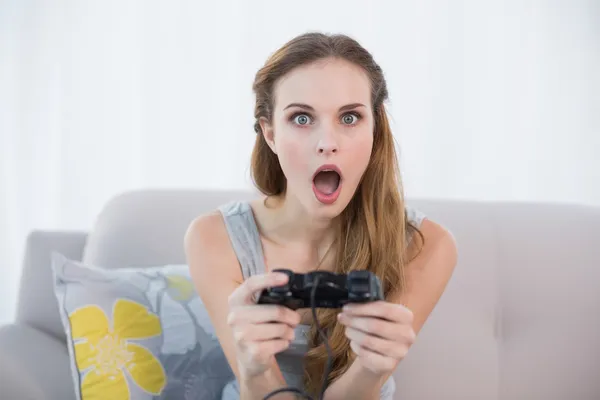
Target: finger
[[381, 309], [262, 332], [244, 294], [374, 361], [376, 344], [261, 314], [373, 326]]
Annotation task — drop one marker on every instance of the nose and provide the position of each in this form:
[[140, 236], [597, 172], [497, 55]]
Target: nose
[[327, 145]]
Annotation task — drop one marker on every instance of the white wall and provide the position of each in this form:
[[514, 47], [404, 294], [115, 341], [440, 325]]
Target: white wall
[[491, 100]]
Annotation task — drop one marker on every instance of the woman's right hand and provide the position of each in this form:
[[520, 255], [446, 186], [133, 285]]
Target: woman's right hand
[[259, 330]]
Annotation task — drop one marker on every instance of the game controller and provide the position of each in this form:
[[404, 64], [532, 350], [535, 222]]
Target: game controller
[[332, 290]]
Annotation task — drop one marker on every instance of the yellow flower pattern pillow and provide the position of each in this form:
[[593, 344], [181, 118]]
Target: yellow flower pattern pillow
[[105, 350], [138, 333]]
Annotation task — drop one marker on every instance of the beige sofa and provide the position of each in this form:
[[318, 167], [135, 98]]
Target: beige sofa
[[519, 320]]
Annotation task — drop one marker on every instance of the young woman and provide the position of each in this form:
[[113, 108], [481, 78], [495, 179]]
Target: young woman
[[324, 158]]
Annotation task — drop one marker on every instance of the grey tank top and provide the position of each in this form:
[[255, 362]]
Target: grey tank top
[[245, 240]]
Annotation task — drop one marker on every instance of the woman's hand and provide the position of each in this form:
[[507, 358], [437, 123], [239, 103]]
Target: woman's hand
[[259, 331], [380, 334]]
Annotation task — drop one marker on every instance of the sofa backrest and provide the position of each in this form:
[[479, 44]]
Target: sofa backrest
[[146, 228]]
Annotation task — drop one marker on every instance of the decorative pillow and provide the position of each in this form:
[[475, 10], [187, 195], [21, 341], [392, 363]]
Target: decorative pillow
[[138, 333]]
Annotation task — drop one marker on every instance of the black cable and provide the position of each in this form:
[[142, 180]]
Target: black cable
[[323, 337], [289, 390], [313, 294]]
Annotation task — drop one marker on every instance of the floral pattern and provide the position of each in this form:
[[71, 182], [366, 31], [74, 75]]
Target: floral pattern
[[138, 333], [105, 352]]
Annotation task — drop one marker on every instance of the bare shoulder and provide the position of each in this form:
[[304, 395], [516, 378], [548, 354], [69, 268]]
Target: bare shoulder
[[434, 259], [208, 249], [436, 241], [205, 229]]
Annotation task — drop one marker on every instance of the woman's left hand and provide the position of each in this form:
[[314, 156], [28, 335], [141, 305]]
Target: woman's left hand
[[380, 333]]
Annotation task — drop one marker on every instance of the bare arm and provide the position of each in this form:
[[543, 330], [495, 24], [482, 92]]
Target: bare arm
[[218, 279], [406, 313]]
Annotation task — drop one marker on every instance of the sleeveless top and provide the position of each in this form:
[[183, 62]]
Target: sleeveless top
[[246, 242]]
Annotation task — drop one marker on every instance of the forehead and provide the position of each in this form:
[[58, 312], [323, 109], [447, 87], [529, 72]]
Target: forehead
[[325, 84]]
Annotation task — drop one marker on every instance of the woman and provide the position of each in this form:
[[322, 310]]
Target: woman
[[325, 160]]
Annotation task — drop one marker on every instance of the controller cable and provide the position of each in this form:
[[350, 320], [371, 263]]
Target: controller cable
[[323, 335]]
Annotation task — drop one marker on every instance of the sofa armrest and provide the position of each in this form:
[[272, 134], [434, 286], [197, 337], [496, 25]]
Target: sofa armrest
[[37, 306], [33, 365]]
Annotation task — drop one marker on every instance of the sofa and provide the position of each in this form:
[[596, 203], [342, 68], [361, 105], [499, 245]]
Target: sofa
[[520, 318]]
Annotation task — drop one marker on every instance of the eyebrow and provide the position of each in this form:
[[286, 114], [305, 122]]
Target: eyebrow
[[342, 108]]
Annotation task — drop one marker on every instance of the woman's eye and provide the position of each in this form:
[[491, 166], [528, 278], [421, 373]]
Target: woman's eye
[[350, 119], [301, 119], [304, 119]]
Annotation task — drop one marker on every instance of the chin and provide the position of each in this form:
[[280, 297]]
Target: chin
[[328, 210]]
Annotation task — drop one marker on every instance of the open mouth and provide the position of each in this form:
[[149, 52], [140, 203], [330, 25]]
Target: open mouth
[[327, 183]]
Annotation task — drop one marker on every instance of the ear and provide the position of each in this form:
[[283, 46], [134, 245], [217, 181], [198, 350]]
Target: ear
[[268, 132]]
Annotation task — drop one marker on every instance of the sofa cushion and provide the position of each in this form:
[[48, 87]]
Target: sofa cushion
[[138, 333]]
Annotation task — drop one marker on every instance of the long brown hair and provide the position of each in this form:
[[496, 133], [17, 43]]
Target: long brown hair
[[373, 228]]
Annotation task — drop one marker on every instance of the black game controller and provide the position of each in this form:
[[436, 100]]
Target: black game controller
[[332, 291]]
